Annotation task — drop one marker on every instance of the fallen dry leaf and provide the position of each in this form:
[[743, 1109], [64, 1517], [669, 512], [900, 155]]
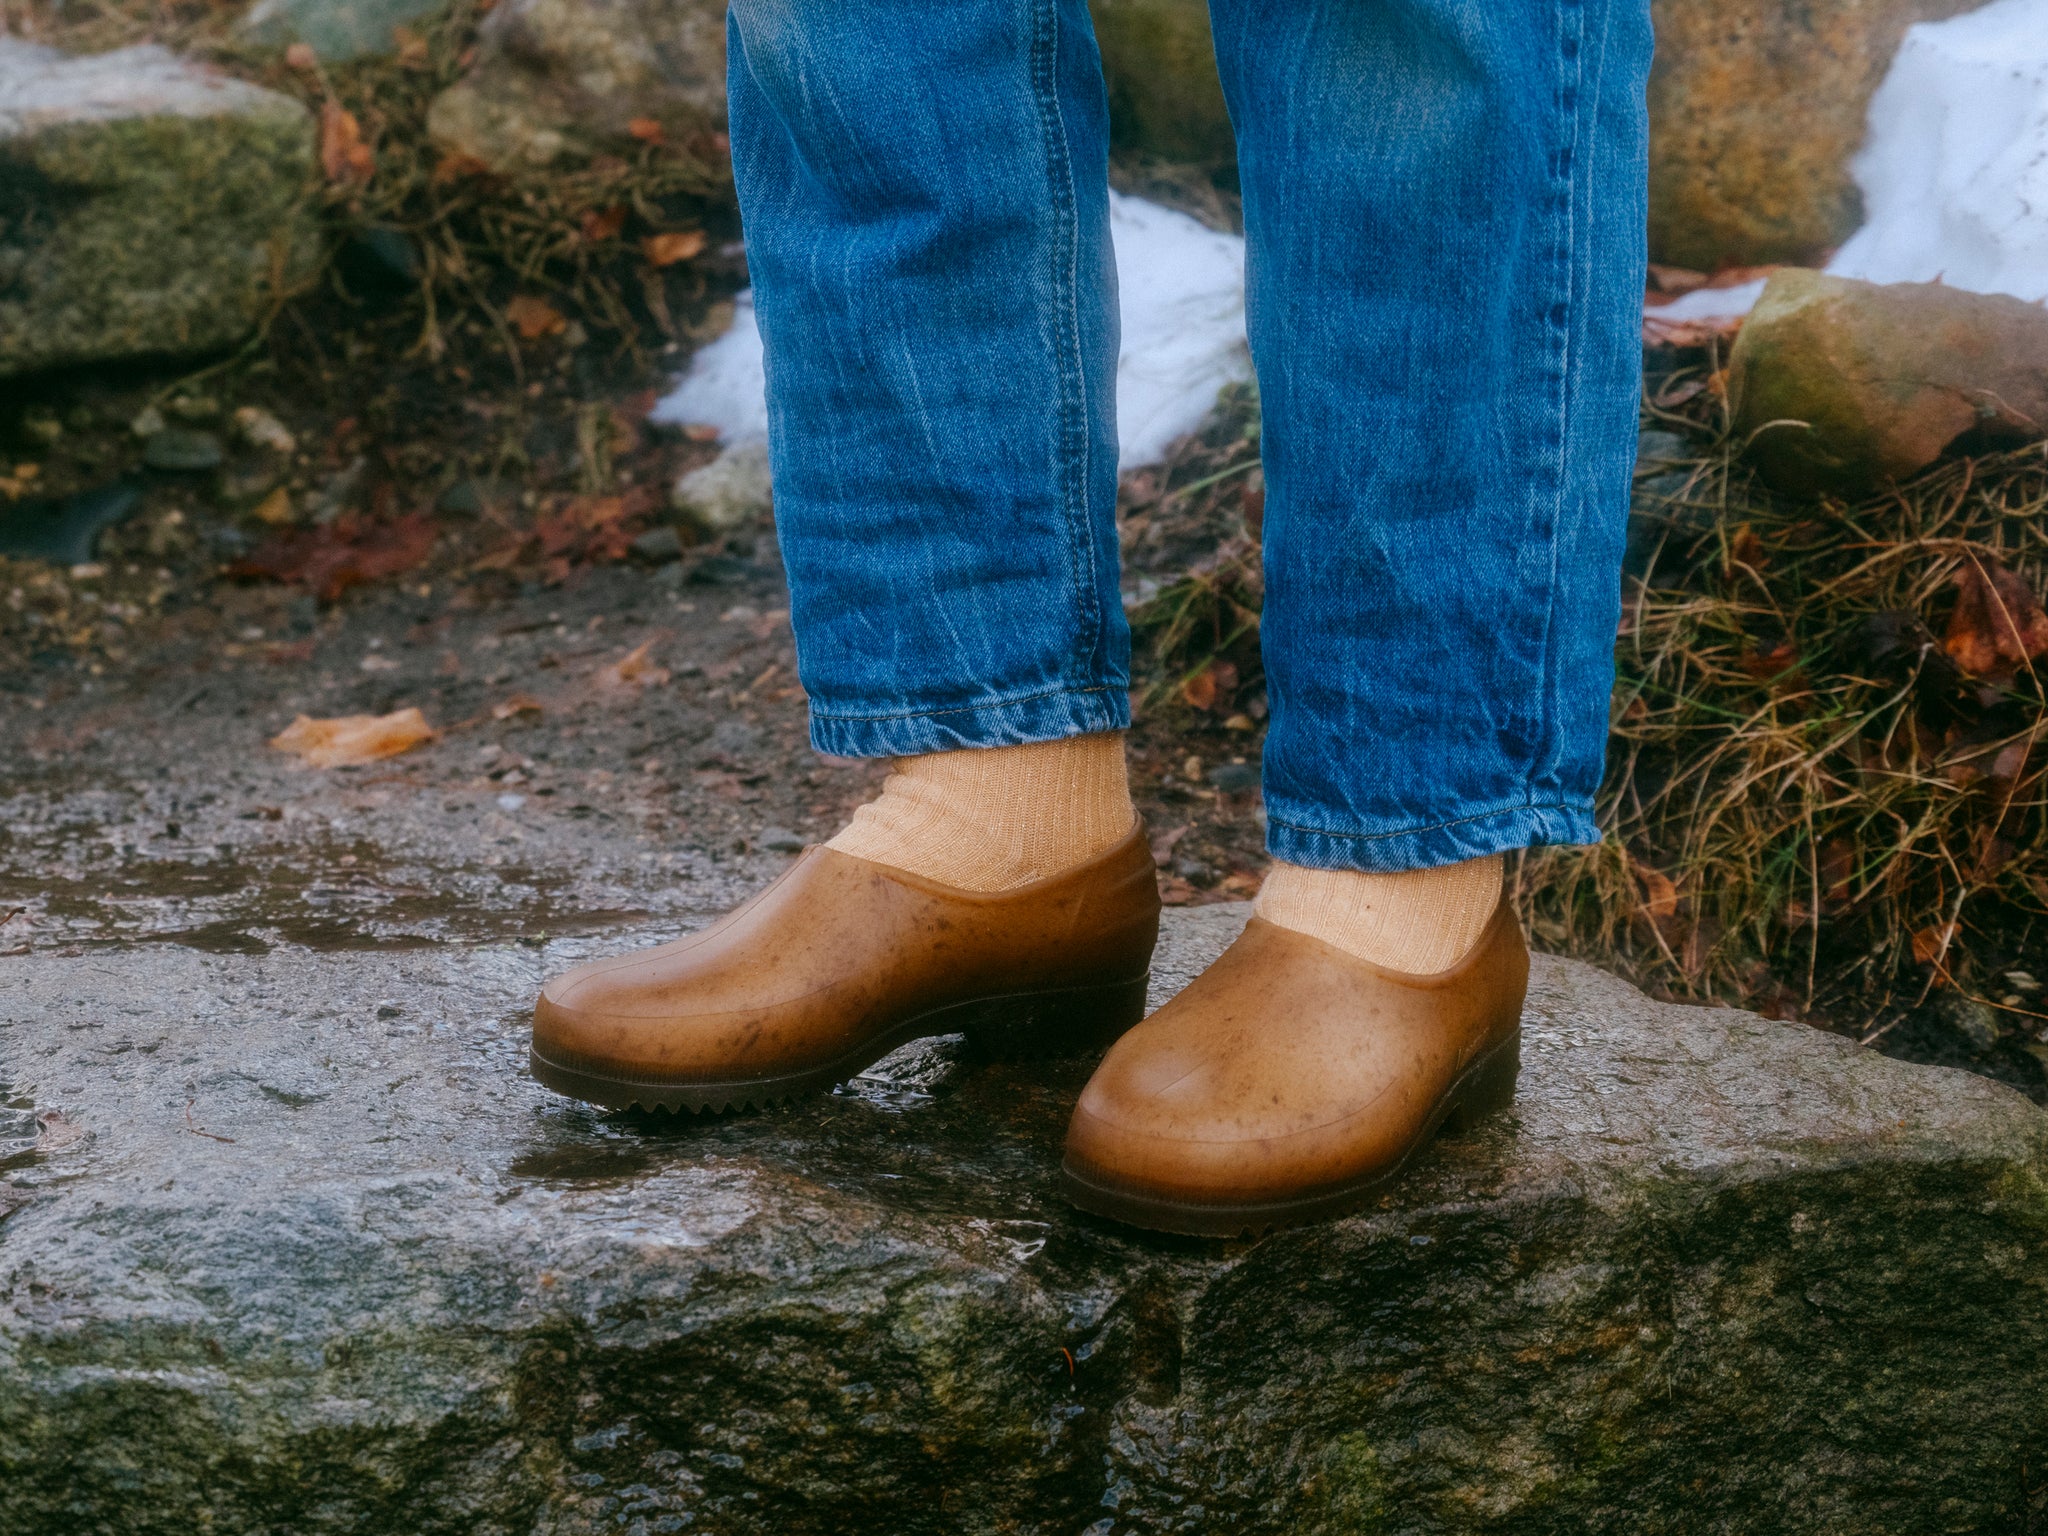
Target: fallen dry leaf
[[2010, 763], [601, 224], [1676, 394], [459, 167], [349, 552], [518, 704], [1660, 893], [534, 318], [646, 129], [344, 157], [1675, 282], [666, 249], [1215, 683], [276, 509], [1687, 333], [348, 740], [1997, 626], [1930, 944], [1763, 665], [1163, 843], [634, 670], [1837, 872], [1746, 549]]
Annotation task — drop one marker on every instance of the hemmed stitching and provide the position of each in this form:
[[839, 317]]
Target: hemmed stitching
[[1530, 809], [969, 709]]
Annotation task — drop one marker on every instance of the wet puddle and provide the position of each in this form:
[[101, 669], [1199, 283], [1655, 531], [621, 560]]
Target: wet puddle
[[19, 1131], [61, 890]]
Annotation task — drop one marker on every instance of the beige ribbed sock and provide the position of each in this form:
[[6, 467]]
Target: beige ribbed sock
[[994, 818], [1416, 921]]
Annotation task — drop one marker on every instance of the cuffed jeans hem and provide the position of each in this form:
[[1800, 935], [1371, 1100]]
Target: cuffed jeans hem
[[1007, 723], [1447, 842]]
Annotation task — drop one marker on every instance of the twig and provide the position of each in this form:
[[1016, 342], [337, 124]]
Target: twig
[[194, 1129]]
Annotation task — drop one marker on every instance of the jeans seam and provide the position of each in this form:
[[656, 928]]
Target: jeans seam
[[1073, 445], [1571, 99], [1434, 826], [964, 709]]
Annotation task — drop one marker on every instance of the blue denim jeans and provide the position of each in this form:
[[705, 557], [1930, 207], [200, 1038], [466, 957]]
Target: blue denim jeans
[[1444, 211]]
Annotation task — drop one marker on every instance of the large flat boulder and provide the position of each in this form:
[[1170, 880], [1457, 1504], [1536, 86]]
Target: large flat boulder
[[148, 204], [304, 1250]]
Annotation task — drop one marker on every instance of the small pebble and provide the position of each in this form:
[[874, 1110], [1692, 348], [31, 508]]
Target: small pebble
[[658, 546], [182, 450], [780, 840], [465, 498], [260, 429], [1235, 778]]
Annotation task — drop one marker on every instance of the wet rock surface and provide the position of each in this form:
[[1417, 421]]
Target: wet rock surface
[[289, 1242]]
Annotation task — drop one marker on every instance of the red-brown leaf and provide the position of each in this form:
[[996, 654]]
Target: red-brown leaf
[[1997, 626], [534, 318]]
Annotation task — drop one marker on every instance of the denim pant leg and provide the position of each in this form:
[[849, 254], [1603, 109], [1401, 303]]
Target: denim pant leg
[[1444, 207], [925, 192]]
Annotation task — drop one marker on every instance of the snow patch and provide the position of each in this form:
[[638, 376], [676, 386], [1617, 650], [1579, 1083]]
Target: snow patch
[[1954, 173], [725, 386], [1182, 287], [1711, 303]]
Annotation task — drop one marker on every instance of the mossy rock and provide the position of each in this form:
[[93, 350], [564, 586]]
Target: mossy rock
[[338, 30], [1755, 112], [1164, 97], [147, 205], [567, 78], [1839, 385]]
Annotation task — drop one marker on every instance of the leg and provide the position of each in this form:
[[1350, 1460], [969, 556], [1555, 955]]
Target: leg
[[925, 190], [1444, 209], [1445, 203], [928, 231]]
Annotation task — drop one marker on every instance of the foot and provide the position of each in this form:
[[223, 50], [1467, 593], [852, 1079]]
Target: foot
[[840, 961], [1293, 1080]]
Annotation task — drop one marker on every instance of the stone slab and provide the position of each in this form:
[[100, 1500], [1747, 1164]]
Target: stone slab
[[304, 1250]]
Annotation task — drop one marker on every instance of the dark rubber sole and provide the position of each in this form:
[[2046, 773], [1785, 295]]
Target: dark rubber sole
[[1484, 1088], [1009, 1026]]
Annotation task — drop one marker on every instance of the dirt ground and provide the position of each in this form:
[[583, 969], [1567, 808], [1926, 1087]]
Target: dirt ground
[[458, 536]]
